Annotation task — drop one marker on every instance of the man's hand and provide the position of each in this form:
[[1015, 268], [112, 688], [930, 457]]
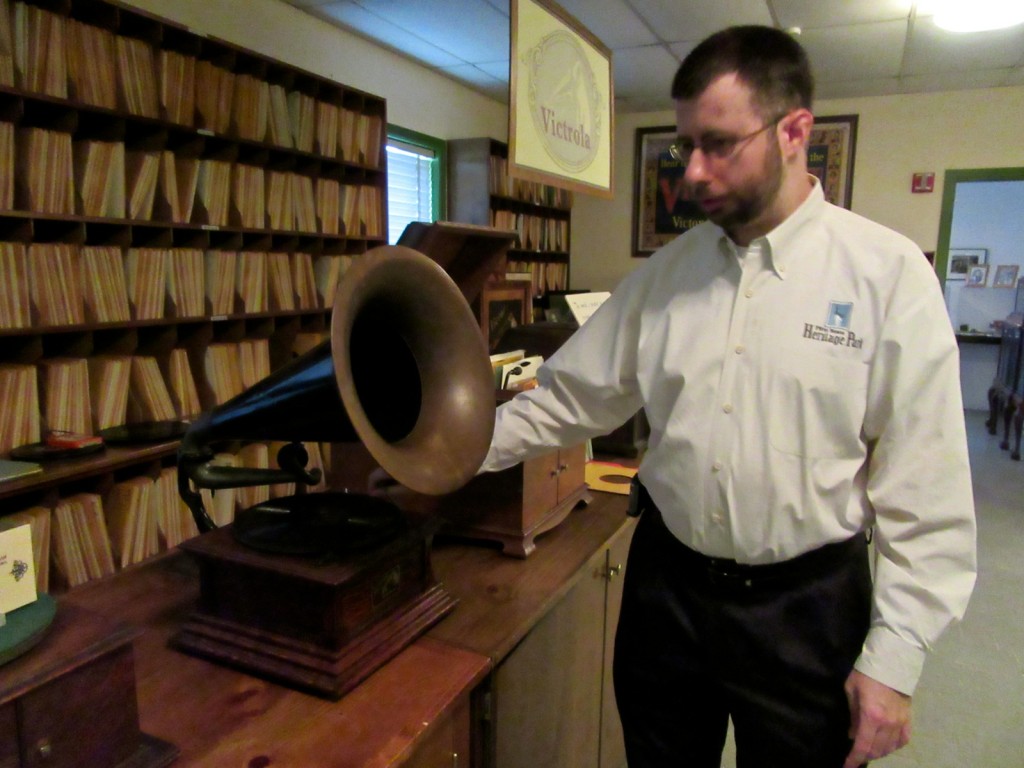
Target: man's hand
[[879, 719]]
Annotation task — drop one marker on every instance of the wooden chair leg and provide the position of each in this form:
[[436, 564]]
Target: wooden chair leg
[[1018, 427], [993, 409], [1009, 408]]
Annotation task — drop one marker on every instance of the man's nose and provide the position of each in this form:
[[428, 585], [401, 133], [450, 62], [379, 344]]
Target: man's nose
[[697, 167]]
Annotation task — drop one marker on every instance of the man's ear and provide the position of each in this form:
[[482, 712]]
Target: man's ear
[[796, 131]]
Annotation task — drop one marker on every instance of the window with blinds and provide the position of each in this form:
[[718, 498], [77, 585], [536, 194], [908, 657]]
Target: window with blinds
[[417, 166]]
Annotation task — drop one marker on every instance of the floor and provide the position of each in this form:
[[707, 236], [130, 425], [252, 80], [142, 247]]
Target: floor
[[969, 705]]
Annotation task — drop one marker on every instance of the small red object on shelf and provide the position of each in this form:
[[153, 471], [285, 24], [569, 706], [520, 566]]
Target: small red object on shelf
[[71, 440]]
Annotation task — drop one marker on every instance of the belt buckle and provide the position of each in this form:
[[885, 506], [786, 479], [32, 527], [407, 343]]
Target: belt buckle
[[722, 577]]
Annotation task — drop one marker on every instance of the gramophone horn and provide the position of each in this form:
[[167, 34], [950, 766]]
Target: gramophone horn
[[405, 371]]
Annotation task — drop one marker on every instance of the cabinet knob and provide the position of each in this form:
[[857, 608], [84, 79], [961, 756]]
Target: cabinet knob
[[455, 760], [613, 571], [44, 749]]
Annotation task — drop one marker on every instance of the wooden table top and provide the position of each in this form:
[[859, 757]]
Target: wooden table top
[[502, 598], [218, 716]]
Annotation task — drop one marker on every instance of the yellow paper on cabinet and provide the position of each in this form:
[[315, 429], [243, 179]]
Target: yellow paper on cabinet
[[17, 570]]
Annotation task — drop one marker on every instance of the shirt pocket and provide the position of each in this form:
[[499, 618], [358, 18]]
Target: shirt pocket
[[816, 404]]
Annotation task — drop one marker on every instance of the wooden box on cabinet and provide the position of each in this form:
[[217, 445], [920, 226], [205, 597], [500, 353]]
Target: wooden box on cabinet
[[71, 701], [518, 504]]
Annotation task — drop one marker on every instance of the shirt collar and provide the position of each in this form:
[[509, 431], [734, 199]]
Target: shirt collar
[[777, 243]]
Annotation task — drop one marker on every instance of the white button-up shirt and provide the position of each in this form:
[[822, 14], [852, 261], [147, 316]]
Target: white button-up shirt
[[799, 391]]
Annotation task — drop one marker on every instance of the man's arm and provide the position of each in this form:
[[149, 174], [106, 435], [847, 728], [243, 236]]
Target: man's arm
[[918, 483]]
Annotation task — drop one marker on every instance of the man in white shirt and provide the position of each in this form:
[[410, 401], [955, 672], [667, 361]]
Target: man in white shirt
[[800, 377]]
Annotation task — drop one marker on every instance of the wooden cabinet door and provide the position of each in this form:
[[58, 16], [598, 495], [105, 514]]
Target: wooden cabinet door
[[540, 488], [448, 746], [547, 692], [613, 751], [571, 470]]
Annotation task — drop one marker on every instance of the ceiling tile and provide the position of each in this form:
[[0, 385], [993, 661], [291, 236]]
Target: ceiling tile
[[370, 25], [860, 51], [808, 14], [471, 31], [882, 86], [643, 78], [496, 69], [954, 81], [613, 22], [856, 46], [935, 50], [467, 73], [680, 20]]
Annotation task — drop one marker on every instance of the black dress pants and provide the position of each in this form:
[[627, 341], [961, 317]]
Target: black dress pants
[[701, 640]]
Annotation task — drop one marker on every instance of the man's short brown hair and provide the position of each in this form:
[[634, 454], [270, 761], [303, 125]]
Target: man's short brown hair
[[769, 61]]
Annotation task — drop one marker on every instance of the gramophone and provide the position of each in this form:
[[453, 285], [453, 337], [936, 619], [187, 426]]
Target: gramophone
[[317, 590]]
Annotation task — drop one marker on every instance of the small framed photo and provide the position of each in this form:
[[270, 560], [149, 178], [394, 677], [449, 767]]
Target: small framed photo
[[977, 276], [503, 304], [962, 259], [1006, 276]]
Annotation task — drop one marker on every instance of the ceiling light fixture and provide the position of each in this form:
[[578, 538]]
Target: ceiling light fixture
[[976, 15]]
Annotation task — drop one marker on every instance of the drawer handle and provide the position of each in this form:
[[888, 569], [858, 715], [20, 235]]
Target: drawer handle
[[44, 749]]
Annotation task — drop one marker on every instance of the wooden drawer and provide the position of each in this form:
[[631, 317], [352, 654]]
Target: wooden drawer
[[8, 736], [87, 717], [70, 701]]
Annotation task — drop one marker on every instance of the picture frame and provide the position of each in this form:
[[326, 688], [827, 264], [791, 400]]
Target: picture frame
[[960, 260], [977, 276], [564, 141], [660, 214], [1006, 276], [831, 152], [504, 304]]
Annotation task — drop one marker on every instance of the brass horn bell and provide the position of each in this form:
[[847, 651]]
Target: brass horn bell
[[405, 372]]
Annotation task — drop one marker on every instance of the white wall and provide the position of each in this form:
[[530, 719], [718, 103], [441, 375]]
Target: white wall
[[897, 136], [418, 99], [987, 215]]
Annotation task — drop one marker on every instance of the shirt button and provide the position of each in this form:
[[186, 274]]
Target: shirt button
[[727, 408], [749, 292], [716, 467], [718, 516], [782, 268], [740, 349]]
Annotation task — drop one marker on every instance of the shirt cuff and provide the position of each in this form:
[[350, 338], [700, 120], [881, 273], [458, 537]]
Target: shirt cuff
[[891, 660]]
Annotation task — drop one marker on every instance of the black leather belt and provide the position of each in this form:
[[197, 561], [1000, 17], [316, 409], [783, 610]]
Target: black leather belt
[[729, 573]]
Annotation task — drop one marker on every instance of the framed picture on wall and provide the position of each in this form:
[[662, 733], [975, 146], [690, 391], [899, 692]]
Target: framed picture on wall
[[962, 259], [1006, 276], [830, 156], [660, 213], [977, 276], [503, 305]]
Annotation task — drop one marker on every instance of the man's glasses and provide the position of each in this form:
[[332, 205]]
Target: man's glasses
[[715, 147]]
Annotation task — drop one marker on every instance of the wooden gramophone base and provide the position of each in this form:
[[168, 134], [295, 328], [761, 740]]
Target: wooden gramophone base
[[305, 665], [317, 626]]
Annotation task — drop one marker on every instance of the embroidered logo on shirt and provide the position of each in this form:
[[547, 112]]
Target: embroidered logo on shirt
[[836, 328]]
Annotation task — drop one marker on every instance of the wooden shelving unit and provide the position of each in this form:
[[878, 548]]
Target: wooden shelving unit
[[482, 192], [265, 158]]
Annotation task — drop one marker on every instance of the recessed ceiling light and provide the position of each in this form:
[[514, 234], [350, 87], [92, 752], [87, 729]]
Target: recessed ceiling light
[[975, 15]]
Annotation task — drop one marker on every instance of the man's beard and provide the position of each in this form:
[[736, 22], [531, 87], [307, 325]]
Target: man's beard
[[752, 202]]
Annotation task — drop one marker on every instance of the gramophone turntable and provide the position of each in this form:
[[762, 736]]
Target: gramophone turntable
[[317, 590]]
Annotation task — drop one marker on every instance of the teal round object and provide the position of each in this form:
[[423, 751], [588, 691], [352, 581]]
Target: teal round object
[[25, 627]]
